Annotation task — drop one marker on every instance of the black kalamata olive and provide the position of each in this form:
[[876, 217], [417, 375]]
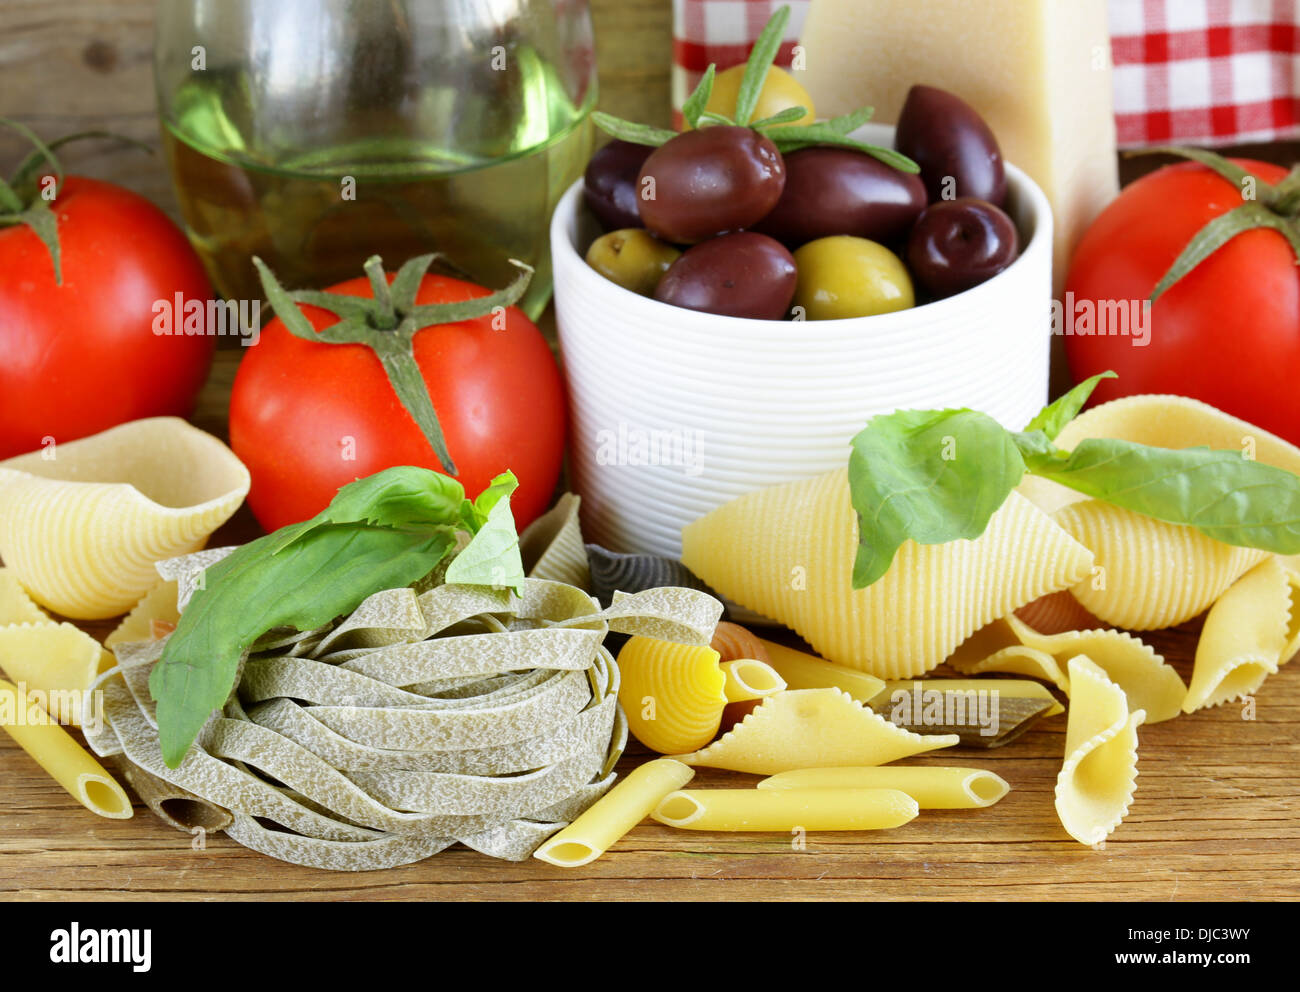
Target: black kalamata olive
[[609, 184], [956, 150], [831, 191], [708, 182], [737, 275], [958, 244]]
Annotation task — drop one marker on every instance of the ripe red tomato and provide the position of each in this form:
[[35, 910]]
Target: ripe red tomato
[[1227, 333], [82, 357], [307, 418]]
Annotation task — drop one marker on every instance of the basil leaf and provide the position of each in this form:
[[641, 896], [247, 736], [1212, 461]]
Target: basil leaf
[[1221, 493], [695, 103], [760, 60], [396, 497], [929, 476], [1051, 420], [328, 572], [492, 556]]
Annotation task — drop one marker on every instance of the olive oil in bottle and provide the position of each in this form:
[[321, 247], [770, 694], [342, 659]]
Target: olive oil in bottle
[[315, 215]]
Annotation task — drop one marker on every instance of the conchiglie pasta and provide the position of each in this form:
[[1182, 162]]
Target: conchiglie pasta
[[1057, 613], [732, 641], [787, 552], [673, 694], [1149, 574], [82, 530]]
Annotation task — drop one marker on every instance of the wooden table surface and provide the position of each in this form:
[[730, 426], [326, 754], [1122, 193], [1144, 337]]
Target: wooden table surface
[[1216, 816]]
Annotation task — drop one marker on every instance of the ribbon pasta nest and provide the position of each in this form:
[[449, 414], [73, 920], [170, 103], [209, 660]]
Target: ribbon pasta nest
[[424, 718]]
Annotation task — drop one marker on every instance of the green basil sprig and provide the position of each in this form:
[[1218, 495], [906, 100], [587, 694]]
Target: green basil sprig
[[384, 531], [933, 476]]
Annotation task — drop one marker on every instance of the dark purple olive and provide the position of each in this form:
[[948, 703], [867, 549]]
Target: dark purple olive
[[609, 185], [830, 191], [736, 275], [957, 153], [708, 182], [958, 244]]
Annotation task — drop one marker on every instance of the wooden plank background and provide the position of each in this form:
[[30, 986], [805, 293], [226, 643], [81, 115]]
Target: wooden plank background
[[1217, 812]]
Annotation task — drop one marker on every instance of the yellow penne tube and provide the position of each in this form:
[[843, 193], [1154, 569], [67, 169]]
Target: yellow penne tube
[[786, 809], [932, 788], [614, 814], [802, 670], [54, 750], [749, 678]]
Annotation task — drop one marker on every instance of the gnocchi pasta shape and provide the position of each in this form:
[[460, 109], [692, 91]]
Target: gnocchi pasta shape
[[787, 552]]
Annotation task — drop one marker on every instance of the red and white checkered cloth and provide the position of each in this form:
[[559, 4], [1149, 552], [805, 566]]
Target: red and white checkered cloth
[[1199, 72]]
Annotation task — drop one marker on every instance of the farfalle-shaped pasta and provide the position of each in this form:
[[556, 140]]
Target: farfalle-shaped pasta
[[673, 694], [1149, 574], [82, 529], [812, 728], [787, 552], [1097, 781], [1011, 645], [1249, 632], [15, 605], [157, 606]]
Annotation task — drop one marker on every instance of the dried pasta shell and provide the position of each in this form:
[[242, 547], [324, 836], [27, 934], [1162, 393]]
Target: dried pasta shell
[[1248, 633], [612, 571], [83, 528], [672, 694], [1096, 783], [1057, 613], [1149, 574], [732, 642], [157, 607], [551, 546], [812, 728], [787, 552], [15, 605], [58, 661], [1011, 645]]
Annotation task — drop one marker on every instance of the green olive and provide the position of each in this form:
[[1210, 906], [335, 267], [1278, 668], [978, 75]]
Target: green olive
[[633, 257], [844, 276], [780, 92]]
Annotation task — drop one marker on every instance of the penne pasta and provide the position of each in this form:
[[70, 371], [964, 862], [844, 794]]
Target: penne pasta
[[786, 809], [53, 748], [614, 814], [805, 671], [937, 787]]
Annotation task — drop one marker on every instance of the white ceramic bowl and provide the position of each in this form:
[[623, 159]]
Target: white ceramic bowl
[[675, 412]]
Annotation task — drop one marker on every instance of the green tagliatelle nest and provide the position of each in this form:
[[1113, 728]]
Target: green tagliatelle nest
[[458, 714]]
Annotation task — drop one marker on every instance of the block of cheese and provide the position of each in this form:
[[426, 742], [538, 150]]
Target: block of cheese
[[1038, 71]]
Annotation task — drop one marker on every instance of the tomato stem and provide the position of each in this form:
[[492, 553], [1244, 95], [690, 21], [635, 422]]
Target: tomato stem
[[387, 325]]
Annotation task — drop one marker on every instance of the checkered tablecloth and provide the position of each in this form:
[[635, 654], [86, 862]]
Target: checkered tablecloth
[[1202, 72]]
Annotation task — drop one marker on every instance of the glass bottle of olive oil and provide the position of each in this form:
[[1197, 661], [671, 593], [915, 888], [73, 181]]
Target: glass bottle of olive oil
[[407, 136]]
